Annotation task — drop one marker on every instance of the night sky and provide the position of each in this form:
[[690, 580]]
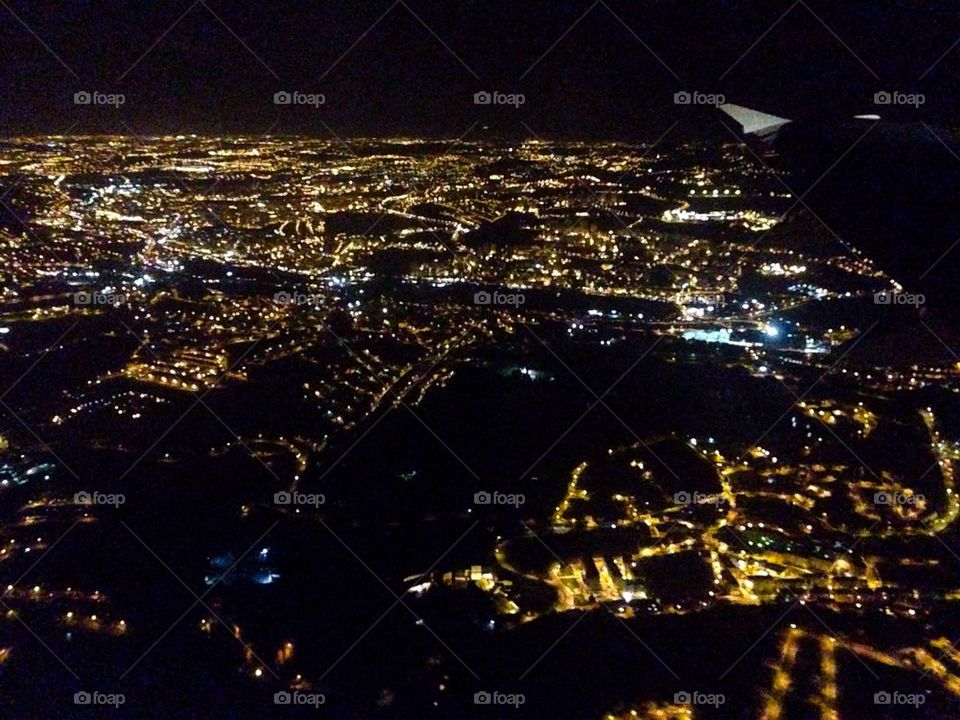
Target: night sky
[[586, 69]]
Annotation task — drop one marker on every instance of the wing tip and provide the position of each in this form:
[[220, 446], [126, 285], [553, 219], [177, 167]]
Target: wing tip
[[753, 122]]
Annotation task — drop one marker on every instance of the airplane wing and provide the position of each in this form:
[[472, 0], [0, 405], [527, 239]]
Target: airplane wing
[[754, 122]]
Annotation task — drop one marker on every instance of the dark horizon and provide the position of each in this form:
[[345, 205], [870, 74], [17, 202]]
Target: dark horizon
[[587, 69]]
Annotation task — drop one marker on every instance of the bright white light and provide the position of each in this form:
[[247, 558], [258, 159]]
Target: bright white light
[[771, 331]]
